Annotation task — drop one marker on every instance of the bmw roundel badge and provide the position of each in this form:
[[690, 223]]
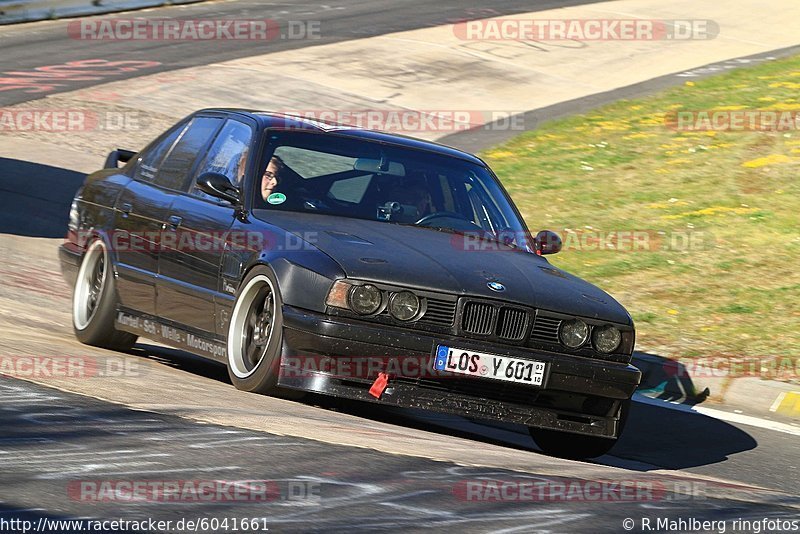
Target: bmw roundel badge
[[496, 286]]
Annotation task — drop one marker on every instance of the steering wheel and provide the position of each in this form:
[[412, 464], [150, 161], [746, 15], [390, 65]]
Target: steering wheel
[[442, 214]]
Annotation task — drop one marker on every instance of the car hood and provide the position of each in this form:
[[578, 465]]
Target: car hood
[[440, 261]]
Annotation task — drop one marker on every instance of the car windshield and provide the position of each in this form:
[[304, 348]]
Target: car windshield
[[363, 179]]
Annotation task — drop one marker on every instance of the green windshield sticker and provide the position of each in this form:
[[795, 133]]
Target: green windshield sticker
[[276, 198]]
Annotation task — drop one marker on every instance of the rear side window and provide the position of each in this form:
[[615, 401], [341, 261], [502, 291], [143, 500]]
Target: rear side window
[[174, 170], [152, 156]]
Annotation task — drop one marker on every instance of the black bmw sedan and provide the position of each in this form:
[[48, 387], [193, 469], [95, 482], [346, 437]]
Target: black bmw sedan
[[310, 256]]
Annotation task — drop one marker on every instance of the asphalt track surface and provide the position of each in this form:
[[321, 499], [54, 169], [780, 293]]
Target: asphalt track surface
[[55, 440], [27, 47], [49, 439]]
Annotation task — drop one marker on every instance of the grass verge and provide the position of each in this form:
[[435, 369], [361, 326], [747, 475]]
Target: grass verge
[[712, 264]]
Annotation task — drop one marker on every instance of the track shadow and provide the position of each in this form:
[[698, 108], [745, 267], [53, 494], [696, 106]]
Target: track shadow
[[35, 199], [662, 437], [656, 437], [182, 360]]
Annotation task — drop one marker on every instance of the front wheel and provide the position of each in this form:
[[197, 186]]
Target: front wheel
[[94, 302], [255, 334], [578, 446]]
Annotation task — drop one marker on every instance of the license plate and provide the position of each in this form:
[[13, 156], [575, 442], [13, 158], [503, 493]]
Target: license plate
[[485, 365]]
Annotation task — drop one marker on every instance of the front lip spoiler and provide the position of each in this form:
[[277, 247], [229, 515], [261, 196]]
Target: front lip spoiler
[[406, 395], [311, 333]]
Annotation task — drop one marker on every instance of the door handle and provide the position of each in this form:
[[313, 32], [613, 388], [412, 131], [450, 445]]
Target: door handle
[[174, 222], [126, 209]]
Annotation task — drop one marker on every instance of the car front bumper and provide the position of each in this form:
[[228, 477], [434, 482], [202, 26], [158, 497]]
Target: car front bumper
[[579, 395]]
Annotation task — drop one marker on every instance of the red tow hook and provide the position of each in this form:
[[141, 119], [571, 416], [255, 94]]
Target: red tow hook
[[379, 385]]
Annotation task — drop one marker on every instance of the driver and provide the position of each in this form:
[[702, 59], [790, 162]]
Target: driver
[[417, 195], [421, 198]]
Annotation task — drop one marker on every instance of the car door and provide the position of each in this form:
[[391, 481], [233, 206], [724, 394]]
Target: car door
[[189, 273], [140, 212]]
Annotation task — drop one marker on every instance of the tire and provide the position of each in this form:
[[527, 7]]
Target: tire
[[94, 302], [578, 446], [255, 336]]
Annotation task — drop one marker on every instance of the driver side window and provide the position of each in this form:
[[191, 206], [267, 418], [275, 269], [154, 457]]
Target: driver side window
[[228, 155]]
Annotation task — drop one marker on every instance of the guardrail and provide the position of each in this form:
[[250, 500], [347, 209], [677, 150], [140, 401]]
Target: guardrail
[[16, 11]]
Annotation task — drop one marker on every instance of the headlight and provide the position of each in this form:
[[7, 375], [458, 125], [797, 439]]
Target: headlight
[[606, 338], [573, 333], [364, 299], [404, 305]]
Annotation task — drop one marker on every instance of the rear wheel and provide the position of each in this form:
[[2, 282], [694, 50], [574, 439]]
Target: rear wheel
[[578, 446], [94, 302]]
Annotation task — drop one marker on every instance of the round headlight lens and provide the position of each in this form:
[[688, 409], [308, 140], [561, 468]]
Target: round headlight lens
[[606, 338], [573, 333], [404, 305], [365, 299]]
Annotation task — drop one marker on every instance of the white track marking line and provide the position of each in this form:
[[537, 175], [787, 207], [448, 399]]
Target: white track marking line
[[778, 401]]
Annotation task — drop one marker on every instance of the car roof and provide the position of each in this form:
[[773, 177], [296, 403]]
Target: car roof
[[267, 119]]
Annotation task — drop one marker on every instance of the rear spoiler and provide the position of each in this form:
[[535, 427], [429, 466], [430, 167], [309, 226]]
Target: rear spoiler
[[115, 157]]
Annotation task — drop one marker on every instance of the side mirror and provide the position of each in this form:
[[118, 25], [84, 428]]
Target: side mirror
[[547, 242], [115, 157], [218, 185]]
